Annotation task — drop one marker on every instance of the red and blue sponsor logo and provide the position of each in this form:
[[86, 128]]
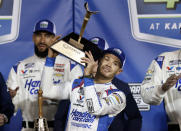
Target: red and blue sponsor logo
[[170, 68], [24, 71]]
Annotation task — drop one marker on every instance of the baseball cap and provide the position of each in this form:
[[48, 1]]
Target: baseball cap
[[117, 52], [100, 42], [45, 25]]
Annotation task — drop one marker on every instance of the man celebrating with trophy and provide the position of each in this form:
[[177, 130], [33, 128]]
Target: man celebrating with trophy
[[94, 102]]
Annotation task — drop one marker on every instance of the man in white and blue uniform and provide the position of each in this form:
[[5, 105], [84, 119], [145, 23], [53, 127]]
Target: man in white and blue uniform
[[163, 82], [127, 120], [25, 77], [94, 102]]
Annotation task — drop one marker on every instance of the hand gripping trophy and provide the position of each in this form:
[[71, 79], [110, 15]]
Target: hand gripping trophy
[[73, 48], [40, 124]]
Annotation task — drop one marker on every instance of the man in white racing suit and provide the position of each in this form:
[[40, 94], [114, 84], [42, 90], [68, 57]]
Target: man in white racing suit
[[162, 82], [94, 102], [25, 78]]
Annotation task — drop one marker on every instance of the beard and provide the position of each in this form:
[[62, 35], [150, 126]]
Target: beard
[[40, 54]]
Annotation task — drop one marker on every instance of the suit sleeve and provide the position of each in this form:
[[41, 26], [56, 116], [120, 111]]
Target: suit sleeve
[[151, 91], [134, 116], [130, 118], [61, 115], [6, 105], [112, 104]]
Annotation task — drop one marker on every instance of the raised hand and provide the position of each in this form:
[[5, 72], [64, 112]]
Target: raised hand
[[91, 67], [170, 82]]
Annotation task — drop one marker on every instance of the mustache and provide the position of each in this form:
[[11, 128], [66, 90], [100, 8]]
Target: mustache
[[42, 44]]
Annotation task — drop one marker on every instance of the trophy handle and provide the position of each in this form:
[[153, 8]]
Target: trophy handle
[[40, 124], [86, 19], [40, 101]]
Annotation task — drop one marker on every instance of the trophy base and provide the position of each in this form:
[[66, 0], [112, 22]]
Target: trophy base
[[69, 47], [76, 44], [41, 124], [69, 51]]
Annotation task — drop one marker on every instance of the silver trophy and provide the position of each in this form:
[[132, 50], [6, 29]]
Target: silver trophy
[[74, 48], [40, 124]]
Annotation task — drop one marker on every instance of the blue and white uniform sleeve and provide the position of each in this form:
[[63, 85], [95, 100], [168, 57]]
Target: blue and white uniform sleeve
[[50, 90], [110, 104], [151, 91], [13, 83], [75, 71]]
